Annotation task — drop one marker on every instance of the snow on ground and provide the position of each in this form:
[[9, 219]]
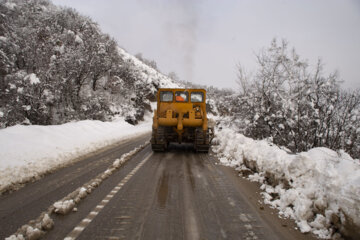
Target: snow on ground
[[27, 152], [319, 189]]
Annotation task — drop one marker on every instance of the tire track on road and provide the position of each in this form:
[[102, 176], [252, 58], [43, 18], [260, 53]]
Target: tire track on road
[[86, 221]]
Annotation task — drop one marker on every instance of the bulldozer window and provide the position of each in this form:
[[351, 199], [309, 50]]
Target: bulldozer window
[[166, 96], [181, 96], [197, 97]]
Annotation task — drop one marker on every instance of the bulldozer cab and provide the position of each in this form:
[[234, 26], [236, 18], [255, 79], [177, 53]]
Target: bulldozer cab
[[180, 100], [181, 117]]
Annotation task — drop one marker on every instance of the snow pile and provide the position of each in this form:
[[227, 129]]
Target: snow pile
[[16, 237], [47, 223], [27, 152], [35, 231], [63, 207], [319, 189]]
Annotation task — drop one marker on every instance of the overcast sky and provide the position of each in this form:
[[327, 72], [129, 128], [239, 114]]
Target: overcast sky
[[203, 40]]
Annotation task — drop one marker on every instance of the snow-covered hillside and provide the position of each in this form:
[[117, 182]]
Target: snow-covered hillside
[[319, 189], [146, 75], [144, 87], [57, 66]]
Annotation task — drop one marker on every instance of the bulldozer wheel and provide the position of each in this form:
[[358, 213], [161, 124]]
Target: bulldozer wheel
[[201, 143], [158, 140]]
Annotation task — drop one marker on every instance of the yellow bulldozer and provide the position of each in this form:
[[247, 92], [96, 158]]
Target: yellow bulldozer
[[181, 117]]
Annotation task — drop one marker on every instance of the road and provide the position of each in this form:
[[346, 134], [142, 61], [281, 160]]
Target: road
[[178, 194]]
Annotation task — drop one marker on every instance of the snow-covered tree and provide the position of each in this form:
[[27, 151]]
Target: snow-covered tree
[[295, 107], [57, 66]]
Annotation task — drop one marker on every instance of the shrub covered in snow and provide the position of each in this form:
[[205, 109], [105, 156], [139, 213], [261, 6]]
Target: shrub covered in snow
[[298, 108]]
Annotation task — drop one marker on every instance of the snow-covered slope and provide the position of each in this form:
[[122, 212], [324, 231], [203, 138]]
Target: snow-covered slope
[[146, 81], [319, 189], [146, 75], [76, 73], [27, 152]]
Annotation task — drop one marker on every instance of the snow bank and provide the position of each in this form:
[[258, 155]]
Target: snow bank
[[27, 152], [319, 189]]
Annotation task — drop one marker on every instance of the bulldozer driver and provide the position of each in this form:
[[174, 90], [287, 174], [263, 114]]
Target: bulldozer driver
[[181, 97]]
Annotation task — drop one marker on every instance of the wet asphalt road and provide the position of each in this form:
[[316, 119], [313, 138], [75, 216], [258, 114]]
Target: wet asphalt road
[[178, 194], [26, 204]]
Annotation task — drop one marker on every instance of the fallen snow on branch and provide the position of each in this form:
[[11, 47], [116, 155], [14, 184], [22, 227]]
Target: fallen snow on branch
[[319, 189]]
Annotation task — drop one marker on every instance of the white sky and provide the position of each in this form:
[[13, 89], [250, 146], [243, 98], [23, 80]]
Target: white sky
[[204, 40]]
